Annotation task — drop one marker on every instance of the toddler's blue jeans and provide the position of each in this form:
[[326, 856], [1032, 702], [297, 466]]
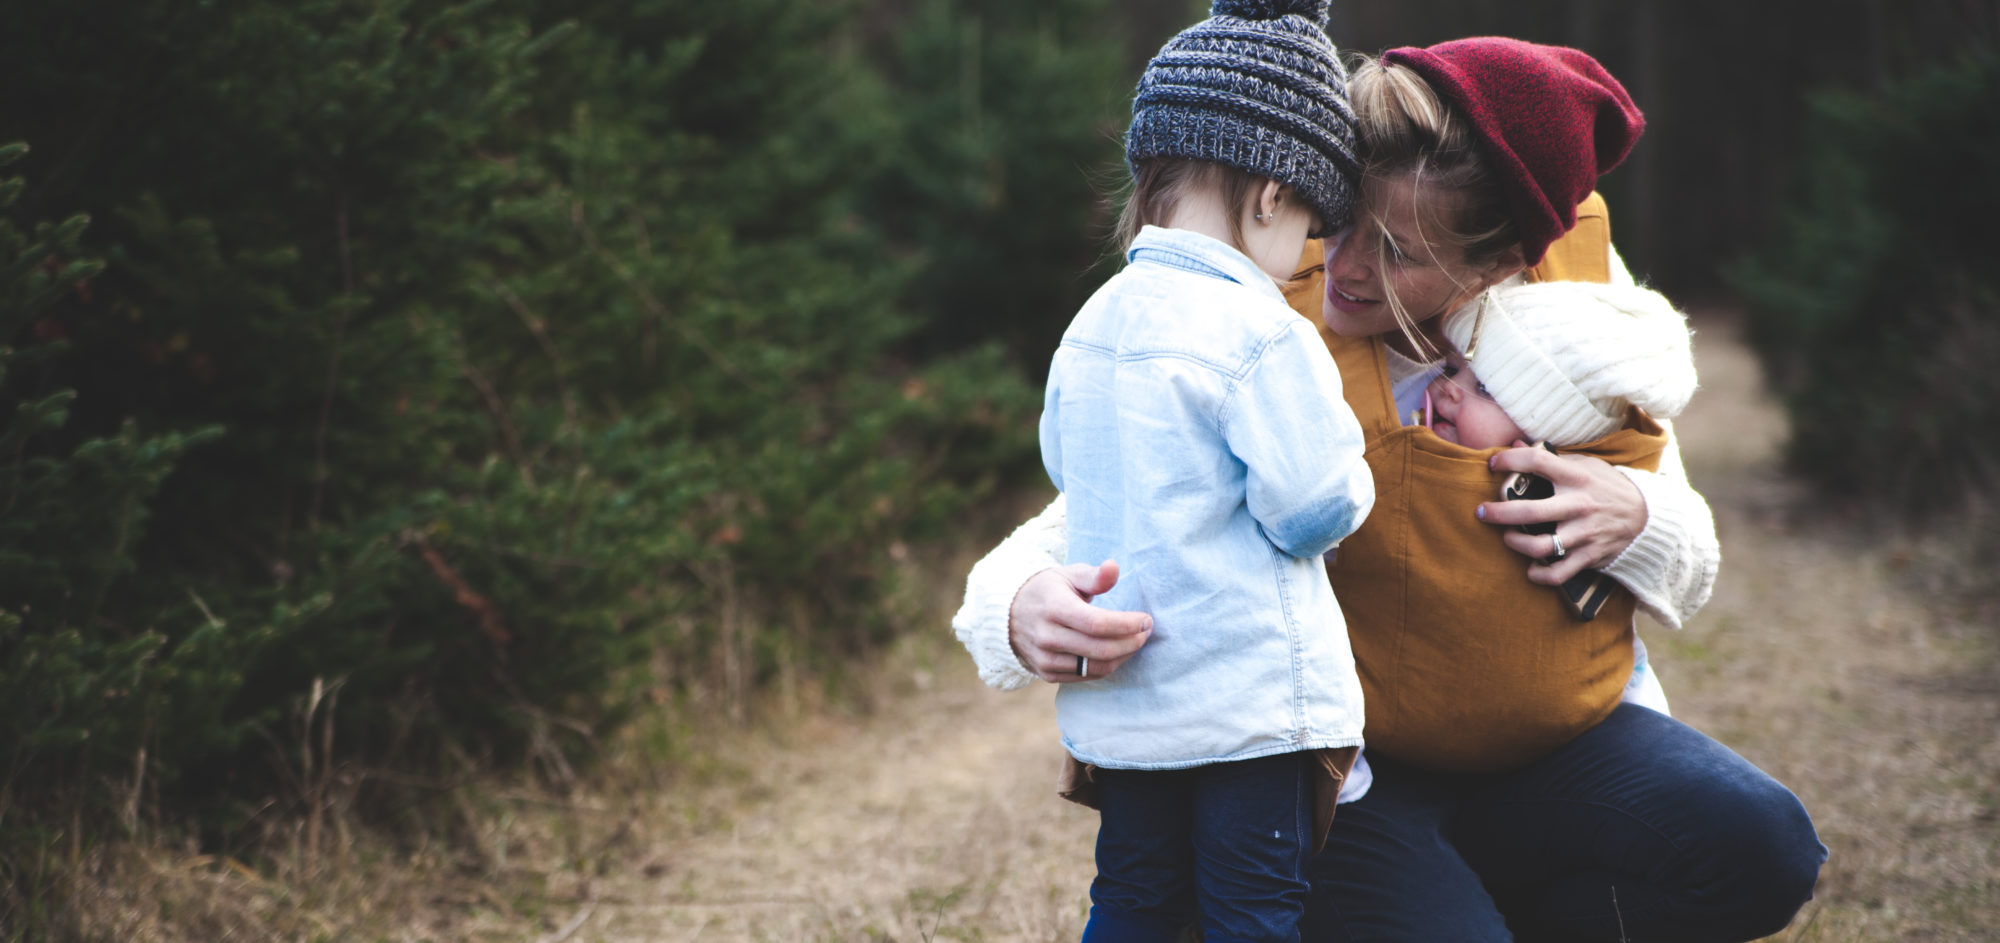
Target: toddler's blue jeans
[[1227, 844]]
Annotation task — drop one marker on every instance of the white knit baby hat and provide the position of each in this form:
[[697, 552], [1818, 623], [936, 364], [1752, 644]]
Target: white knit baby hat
[[1565, 359]]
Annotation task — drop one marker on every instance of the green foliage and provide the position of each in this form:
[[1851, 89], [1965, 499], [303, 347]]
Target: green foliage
[[1014, 120], [489, 363], [1877, 311], [70, 518]]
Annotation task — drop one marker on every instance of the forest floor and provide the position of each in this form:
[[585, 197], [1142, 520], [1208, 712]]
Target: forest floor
[[927, 812]]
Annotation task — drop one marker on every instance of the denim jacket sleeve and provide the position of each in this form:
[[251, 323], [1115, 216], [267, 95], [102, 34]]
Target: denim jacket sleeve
[[1307, 481]]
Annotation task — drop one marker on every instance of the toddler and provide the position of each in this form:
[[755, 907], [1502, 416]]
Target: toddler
[[1195, 424]]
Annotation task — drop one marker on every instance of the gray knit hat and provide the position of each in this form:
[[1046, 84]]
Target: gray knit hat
[[1256, 86]]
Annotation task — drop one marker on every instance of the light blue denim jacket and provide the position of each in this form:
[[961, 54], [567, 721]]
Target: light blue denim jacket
[[1195, 425]]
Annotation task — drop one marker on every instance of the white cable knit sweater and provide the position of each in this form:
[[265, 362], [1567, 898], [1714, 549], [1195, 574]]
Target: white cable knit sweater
[[1671, 568]]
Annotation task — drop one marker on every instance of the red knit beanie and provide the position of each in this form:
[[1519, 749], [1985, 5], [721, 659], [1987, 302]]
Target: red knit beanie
[[1550, 117]]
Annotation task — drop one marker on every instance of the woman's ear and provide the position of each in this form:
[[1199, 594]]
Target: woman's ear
[[1510, 263]]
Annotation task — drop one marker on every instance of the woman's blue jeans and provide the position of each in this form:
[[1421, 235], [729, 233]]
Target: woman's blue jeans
[[1641, 829], [1230, 841]]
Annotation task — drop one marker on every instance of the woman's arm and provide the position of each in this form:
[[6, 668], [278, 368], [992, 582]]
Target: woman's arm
[[1671, 566], [1650, 531], [1028, 616]]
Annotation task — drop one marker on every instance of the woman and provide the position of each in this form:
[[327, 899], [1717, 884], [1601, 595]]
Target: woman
[[1482, 155]]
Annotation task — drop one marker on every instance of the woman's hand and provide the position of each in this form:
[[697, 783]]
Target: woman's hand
[[1597, 512], [1052, 623]]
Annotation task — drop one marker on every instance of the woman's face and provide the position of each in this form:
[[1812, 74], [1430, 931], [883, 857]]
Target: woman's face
[[1369, 260]]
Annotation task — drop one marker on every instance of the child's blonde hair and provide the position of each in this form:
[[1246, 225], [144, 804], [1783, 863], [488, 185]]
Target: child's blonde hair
[[1161, 184]]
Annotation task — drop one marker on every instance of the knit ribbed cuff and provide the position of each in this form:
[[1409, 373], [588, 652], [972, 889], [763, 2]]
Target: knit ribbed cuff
[[990, 588], [1670, 567]]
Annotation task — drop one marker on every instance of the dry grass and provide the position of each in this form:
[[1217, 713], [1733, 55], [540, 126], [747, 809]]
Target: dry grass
[[931, 819], [891, 811], [923, 810]]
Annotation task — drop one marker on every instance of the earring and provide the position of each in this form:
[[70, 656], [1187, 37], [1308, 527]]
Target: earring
[[1479, 320]]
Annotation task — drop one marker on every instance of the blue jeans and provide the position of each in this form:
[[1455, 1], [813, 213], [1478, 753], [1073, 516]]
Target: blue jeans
[[1228, 842], [1641, 829]]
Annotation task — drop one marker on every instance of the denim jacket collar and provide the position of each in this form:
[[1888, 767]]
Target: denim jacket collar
[[1191, 251]]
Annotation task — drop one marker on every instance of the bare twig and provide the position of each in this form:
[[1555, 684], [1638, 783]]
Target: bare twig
[[1618, 912], [482, 608], [734, 647], [570, 928], [649, 335], [131, 811], [937, 919], [539, 329], [497, 408], [317, 777], [332, 367], [205, 611]]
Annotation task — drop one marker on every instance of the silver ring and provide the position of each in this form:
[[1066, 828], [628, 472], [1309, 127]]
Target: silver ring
[[1082, 667], [1560, 552]]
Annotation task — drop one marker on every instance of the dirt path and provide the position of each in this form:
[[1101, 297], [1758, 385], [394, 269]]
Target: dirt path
[[1819, 661], [932, 818]]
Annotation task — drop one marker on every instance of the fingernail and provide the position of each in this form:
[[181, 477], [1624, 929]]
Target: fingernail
[[1479, 512], [1148, 627]]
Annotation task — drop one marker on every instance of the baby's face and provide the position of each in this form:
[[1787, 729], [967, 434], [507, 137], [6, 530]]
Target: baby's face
[[1462, 412]]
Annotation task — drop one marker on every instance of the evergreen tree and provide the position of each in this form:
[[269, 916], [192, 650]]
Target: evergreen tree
[[471, 368], [1013, 117], [1874, 311]]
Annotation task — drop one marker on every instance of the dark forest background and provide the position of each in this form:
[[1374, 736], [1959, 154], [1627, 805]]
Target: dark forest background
[[391, 389], [1726, 89]]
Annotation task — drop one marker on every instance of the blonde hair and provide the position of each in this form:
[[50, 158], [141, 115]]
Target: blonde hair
[[1406, 130], [1159, 184]]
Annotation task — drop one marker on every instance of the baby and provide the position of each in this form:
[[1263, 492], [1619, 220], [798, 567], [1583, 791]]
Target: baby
[[1560, 363]]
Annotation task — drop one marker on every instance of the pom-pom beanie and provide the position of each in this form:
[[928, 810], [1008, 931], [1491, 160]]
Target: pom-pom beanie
[[1550, 120], [1566, 359], [1256, 86]]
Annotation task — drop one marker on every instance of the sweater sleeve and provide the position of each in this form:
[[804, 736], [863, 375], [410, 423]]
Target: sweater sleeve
[[1620, 275], [981, 621], [1671, 566]]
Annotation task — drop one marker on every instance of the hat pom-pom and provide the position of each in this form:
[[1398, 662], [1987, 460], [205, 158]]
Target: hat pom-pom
[[1313, 10]]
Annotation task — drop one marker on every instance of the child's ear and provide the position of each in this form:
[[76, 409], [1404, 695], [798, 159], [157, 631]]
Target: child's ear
[[1270, 194]]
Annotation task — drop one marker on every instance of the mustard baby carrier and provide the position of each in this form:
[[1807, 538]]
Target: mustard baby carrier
[[1465, 665]]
